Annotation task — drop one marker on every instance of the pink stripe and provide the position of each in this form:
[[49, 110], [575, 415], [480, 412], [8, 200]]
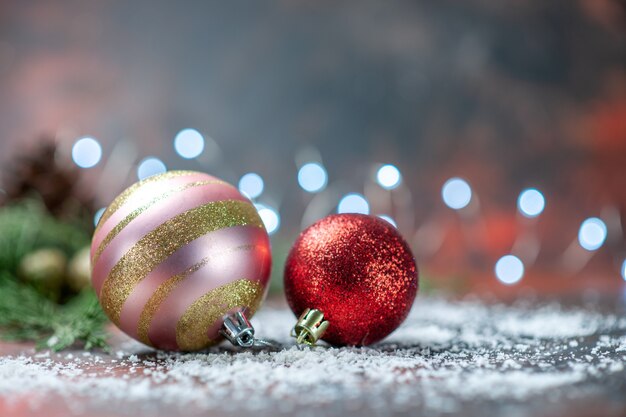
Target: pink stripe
[[253, 266], [154, 216], [212, 245], [141, 197]]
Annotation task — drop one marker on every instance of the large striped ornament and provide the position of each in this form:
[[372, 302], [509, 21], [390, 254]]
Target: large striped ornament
[[174, 253]]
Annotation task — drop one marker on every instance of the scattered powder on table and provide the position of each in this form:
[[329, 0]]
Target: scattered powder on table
[[445, 356]]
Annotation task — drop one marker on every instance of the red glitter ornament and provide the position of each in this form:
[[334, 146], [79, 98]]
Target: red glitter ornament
[[355, 269]]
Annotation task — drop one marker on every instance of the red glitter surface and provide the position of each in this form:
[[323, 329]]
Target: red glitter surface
[[356, 269]]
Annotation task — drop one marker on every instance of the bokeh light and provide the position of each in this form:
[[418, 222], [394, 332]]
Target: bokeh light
[[592, 234], [251, 185], [86, 152], [312, 177], [624, 269], [150, 166], [509, 269], [388, 219], [456, 193], [353, 203], [189, 143], [98, 216], [531, 202], [388, 176], [270, 217]]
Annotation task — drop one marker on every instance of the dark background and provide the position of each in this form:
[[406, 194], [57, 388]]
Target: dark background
[[507, 95]]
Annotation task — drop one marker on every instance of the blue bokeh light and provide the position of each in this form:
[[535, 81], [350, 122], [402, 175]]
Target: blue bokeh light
[[592, 234], [270, 218], [150, 166], [189, 143], [456, 193], [86, 152], [98, 216], [353, 203], [509, 269], [389, 220], [312, 177], [251, 185], [388, 177], [531, 202]]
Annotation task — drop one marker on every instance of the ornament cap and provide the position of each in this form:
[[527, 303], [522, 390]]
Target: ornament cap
[[238, 331], [310, 327]]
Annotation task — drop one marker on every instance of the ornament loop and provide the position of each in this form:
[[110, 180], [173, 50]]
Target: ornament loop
[[309, 327], [238, 330]]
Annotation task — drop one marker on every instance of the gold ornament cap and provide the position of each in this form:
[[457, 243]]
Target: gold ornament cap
[[310, 327]]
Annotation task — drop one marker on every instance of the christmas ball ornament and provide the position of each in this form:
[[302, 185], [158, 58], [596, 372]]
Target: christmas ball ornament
[[79, 270], [44, 269], [352, 280], [174, 254]]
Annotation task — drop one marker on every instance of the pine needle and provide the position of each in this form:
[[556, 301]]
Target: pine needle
[[27, 315]]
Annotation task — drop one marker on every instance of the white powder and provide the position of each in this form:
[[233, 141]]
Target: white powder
[[445, 356]]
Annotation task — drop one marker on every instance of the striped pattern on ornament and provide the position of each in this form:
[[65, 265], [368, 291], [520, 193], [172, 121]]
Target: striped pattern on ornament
[[173, 253]]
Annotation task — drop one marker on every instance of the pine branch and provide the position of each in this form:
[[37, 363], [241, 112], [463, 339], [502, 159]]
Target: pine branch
[[25, 314], [29, 311], [26, 227]]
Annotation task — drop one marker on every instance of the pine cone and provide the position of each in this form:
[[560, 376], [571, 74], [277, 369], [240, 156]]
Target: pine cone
[[42, 172]]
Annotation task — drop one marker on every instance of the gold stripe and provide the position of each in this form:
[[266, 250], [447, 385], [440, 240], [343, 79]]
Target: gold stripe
[[159, 244], [192, 328], [166, 288], [127, 193], [135, 213]]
